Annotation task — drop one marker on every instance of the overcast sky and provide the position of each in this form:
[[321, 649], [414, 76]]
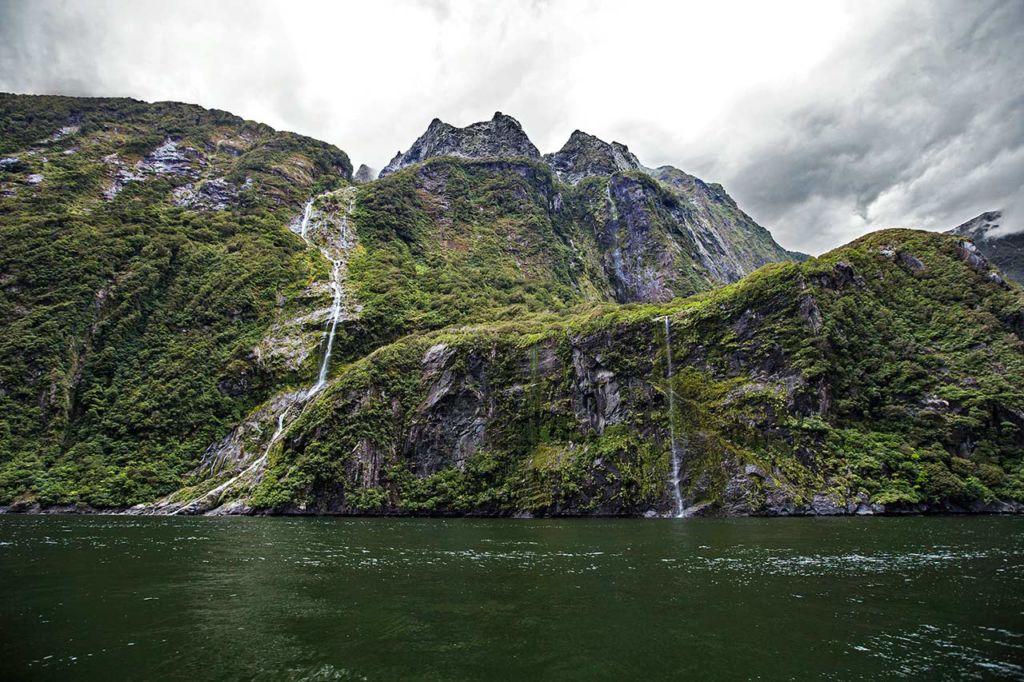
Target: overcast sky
[[825, 120]]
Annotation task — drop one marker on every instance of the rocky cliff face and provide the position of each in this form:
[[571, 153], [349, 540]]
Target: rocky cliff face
[[502, 136], [1005, 250], [585, 156], [800, 390], [655, 234]]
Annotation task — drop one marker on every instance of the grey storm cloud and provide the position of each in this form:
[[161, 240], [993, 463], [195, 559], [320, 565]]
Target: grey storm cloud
[[921, 124], [911, 115]]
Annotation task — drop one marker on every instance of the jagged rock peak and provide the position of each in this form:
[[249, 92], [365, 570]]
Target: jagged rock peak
[[502, 136], [585, 155], [980, 227], [1003, 248], [364, 174]]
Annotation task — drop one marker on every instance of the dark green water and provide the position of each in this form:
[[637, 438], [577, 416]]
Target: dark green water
[[119, 598]]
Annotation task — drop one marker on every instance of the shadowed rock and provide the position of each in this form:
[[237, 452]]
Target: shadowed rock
[[585, 155], [502, 136], [1005, 251]]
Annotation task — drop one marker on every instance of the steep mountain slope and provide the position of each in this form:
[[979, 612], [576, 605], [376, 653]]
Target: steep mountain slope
[[885, 373], [1006, 251], [655, 234], [144, 255], [201, 313]]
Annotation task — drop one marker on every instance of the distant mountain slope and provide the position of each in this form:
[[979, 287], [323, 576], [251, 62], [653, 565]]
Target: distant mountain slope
[[1006, 251], [655, 233], [585, 156]]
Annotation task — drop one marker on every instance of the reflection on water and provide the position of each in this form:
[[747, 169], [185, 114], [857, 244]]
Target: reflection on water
[[380, 599]]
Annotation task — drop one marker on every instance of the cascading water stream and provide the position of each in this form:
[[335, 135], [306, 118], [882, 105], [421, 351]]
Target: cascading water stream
[[677, 494], [257, 463], [332, 327], [335, 314], [307, 211]]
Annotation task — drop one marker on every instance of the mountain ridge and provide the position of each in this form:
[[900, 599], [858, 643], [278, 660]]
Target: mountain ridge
[[204, 315]]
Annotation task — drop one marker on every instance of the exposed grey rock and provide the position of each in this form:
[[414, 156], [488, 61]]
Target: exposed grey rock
[[450, 424], [364, 174], [61, 133], [1004, 249], [597, 400], [216, 194], [643, 261], [502, 136], [171, 159], [167, 159], [585, 155], [970, 254], [34, 179], [121, 175], [912, 262]]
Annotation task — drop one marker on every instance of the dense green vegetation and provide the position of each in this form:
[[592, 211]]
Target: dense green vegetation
[[883, 373], [503, 351], [128, 324]]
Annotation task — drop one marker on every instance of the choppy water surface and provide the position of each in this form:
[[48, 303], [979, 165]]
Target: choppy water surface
[[324, 599]]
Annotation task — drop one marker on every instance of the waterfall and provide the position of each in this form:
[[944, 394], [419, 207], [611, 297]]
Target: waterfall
[[257, 464], [307, 211], [333, 321], [677, 495], [334, 252], [336, 288]]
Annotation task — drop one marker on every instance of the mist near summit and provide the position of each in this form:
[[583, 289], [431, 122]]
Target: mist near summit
[[825, 120]]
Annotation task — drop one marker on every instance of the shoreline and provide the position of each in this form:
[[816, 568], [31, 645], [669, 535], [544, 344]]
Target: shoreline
[[993, 509]]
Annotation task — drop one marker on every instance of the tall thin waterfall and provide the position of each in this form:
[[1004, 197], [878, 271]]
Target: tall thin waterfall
[[336, 288], [307, 211], [254, 470], [677, 495], [335, 314]]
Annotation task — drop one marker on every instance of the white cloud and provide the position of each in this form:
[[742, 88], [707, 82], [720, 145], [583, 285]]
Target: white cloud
[[823, 118]]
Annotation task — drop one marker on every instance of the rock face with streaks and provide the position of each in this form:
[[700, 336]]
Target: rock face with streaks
[[655, 233], [584, 156], [502, 136]]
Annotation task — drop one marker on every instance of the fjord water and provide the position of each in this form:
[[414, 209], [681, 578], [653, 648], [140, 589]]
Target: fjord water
[[100, 598]]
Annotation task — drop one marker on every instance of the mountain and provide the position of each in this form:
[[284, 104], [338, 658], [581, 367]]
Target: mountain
[[146, 264], [1006, 251], [585, 156], [502, 136], [202, 314], [883, 373], [364, 174]]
